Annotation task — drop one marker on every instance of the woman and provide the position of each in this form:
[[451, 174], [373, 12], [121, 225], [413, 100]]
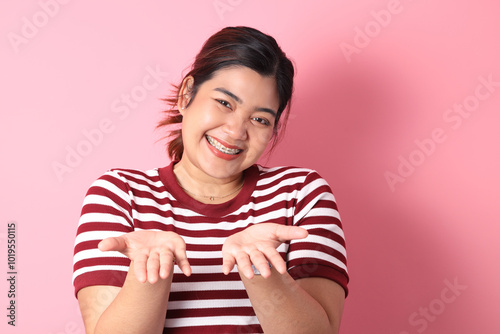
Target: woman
[[214, 243]]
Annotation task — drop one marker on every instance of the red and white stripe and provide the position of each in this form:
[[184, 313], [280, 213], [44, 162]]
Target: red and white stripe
[[122, 201]]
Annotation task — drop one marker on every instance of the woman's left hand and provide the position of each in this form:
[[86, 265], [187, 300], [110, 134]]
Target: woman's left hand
[[257, 245]]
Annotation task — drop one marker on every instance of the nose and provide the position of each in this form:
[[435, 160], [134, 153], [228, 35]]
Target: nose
[[236, 127]]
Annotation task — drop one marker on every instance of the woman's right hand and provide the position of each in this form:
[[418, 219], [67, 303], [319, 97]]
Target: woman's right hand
[[153, 252]]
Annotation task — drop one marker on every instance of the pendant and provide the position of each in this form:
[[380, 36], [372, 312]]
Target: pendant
[[212, 198]]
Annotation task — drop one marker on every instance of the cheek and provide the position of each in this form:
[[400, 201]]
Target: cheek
[[200, 119], [262, 138]]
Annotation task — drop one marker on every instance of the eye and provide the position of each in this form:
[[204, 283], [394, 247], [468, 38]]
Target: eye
[[225, 103], [262, 121]]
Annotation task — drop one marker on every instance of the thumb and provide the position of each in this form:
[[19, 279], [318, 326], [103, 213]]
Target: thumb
[[113, 244], [285, 233]]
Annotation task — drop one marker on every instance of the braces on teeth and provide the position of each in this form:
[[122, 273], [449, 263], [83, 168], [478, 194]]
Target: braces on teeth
[[222, 148]]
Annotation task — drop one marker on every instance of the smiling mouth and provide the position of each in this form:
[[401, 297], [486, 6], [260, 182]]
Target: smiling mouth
[[222, 148]]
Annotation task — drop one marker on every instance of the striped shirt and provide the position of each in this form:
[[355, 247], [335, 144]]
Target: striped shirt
[[124, 200]]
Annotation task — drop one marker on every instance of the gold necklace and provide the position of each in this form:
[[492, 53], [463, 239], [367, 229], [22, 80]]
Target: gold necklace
[[212, 198]]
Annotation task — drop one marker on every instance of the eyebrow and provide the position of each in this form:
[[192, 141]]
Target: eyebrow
[[238, 100]]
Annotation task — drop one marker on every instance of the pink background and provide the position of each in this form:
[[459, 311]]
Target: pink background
[[355, 118]]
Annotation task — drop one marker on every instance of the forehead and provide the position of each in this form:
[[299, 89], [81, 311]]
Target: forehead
[[247, 84]]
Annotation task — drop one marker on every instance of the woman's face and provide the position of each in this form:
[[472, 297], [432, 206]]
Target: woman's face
[[229, 123]]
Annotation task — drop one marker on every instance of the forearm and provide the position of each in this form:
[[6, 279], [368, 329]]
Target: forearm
[[138, 307], [282, 306]]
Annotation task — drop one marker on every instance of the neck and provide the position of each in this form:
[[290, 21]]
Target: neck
[[205, 188]]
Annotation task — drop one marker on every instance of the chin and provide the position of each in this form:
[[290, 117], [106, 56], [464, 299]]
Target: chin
[[222, 169], [222, 173]]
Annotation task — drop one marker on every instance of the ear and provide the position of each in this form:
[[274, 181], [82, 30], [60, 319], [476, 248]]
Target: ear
[[185, 93]]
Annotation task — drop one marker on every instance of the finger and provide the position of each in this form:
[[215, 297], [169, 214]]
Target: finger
[[166, 263], [182, 261], [244, 264], [275, 259], [260, 262], [113, 244], [228, 262], [153, 267], [284, 233], [140, 263]]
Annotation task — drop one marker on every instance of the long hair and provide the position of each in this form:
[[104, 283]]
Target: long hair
[[234, 46]]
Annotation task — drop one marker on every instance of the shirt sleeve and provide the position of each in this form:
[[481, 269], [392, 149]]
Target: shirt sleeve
[[323, 252], [106, 212]]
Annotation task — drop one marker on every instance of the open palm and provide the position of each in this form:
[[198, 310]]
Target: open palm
[[257, 245], [153, 253]]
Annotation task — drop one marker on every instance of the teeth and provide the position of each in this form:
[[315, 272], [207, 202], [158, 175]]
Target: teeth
[[221, 147]]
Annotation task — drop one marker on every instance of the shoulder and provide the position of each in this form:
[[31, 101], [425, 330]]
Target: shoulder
[[288, 175], [122, 180], [282, 172], [304, 185], [150, 176], [133, 176]]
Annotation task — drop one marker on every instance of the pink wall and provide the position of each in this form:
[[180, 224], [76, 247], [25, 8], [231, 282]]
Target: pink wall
[[377, 112]]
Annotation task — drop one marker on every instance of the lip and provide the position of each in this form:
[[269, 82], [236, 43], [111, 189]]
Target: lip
[[220, 154], [226, 144]]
